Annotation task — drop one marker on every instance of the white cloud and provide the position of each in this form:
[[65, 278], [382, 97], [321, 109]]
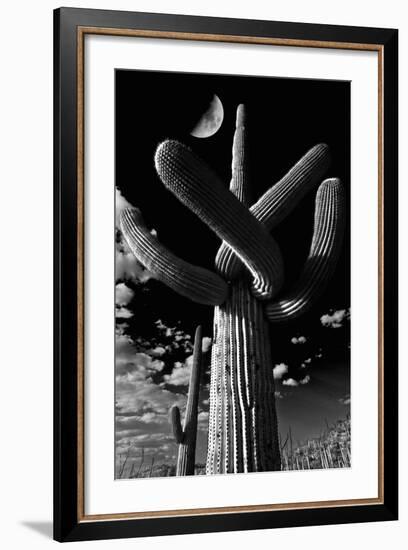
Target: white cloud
[[120, 204], [130, 362], [202, 420], [137, 393], [158, 351], [126, 265], [123, 313], [280, 370], [278, 395], [174, 338], [345, 400], [180, 375], [305, 380], [290, 382], [123, 294], [299, 340], [335, 319], [149, 417], [206, 344]]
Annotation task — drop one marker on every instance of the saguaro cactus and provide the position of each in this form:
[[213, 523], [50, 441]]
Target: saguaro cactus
[[243, 434], [186, 436]]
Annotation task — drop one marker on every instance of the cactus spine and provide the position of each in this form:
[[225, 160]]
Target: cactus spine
[[243, 434], [186, 436]]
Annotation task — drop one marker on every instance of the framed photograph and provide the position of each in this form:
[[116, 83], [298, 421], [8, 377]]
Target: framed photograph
[[225, 274]]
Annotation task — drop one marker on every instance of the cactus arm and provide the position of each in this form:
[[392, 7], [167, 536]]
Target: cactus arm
[[196, 186], [239, 185], [196, 283], [324, 252], [176, 424], [279, 201]]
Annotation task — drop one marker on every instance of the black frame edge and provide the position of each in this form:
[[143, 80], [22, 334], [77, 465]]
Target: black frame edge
[[65, 282], [390, 321]]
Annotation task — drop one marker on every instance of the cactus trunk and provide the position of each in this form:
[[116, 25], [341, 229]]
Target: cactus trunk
[[243, 432]]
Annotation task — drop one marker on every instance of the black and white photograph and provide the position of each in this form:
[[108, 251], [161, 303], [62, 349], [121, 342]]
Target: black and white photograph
[[204, 262], [232, 274]]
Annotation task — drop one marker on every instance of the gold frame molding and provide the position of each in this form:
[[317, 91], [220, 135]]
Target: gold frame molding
[[82, 31]]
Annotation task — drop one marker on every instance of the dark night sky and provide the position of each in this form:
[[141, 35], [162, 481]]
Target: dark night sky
[[285, 118]]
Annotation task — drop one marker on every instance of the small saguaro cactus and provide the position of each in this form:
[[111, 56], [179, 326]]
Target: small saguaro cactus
[[186, 436], [242, 432]]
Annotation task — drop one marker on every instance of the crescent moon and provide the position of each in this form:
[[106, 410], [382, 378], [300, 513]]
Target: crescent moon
[[210, 122]]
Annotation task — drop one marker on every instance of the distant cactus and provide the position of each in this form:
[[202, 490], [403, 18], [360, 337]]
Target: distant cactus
[[243, 432], [186, 436]]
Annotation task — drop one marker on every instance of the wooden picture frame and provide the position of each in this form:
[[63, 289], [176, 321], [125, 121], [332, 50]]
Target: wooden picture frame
[[71, 26]]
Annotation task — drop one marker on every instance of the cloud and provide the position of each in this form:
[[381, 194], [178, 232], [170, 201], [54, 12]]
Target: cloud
[[305, 380], [142, 403], [280, 370], [335, 319], [120, 204], [278, 395], [158, 351], [202, 420], [180, 375], [123, 313], [136, 392], [126, 264], [206, 344], [132, 363], [149, 417], [345, 400], [290, 382], [299, 340], [152, 443], [173, 339], [139, 424], [159, 324], [123, 294], [145, 393]]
